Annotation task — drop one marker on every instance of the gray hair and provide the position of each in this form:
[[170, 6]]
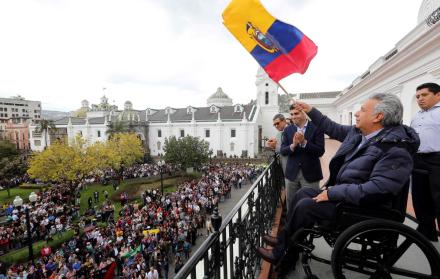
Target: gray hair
[[391, 107], [279, 116]]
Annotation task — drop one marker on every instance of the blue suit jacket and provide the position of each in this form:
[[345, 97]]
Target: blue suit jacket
[[307, 158], [379, 167]]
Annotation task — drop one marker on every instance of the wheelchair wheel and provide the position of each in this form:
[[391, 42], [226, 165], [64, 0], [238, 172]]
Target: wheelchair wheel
[[384, 249]]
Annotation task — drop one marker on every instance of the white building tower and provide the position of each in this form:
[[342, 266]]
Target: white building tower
[[267, 101]]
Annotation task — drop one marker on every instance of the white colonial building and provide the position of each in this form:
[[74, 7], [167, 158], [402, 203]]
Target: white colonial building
[[92, 124], [231, 130]]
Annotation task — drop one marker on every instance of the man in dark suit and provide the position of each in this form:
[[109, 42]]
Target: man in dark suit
[[373, 161], [303, 144]]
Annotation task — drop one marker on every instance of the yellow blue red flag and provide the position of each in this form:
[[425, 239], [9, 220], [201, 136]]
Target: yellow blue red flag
[[280, 48]]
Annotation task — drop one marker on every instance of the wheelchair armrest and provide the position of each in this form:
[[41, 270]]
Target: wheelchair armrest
[[349, 214]]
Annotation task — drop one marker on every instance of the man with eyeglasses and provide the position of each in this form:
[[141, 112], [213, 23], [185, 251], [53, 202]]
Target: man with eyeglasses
[[279, 122], [303, 144]]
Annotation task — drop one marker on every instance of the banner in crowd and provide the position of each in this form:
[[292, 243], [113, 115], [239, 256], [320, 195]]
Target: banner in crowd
[[153, 231], [280, 48], [133, 252]]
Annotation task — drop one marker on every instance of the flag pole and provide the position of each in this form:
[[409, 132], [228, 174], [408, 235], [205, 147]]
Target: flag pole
[[285, 91]]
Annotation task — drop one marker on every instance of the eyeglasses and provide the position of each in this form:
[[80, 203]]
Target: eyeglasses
[[276, 124]]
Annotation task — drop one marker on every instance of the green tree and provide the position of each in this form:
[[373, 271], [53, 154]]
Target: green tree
[[62, 162], [7, 149], [12, 161], [43, 127], [58, 162], [123, 150], [187, 151]]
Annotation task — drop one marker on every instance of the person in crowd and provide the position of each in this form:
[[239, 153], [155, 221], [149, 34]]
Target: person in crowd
[[303, 145], [96, 196], [426, 177], [374, 160], [153, 274], [90, 202]]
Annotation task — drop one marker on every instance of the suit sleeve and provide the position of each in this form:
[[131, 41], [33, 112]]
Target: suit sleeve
[[315, 146], [332, 129], [389, 175], [285, 143]]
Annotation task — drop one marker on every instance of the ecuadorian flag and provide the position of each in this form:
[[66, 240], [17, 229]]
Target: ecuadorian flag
[[281, 49]]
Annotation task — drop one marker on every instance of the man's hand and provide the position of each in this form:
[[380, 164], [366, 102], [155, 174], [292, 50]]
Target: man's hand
[[271, 143], [323, 196], [303, 106], [298, 138]]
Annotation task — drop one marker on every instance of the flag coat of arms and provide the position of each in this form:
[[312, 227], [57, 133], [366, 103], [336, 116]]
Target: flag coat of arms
[[280, 48]]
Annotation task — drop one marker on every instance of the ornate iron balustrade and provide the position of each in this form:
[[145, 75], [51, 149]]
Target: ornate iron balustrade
[[230, 250]]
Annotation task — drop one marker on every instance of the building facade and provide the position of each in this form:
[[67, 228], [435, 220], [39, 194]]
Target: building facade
[[18, 107], [16, 114], [17, 132], [230, 130], [414, 60], [93, 124]]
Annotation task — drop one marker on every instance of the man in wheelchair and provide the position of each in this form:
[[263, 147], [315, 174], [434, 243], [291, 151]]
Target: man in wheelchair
[[374, 160]]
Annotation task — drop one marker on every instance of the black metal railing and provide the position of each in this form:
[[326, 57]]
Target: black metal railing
[[230, 250]]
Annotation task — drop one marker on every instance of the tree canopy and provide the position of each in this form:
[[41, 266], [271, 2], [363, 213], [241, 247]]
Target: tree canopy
[[11, 161], [187, 151], [62, 162]]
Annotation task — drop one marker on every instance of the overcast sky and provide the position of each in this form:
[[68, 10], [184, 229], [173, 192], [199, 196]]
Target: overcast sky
[[159, 53]]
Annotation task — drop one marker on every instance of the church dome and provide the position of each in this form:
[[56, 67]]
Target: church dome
[[427, 8], [128, 105], [219, 98], [85, 104]]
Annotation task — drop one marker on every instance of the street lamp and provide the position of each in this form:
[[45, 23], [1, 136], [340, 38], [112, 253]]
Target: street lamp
[[161, 163], [18, 202], [33, 197]]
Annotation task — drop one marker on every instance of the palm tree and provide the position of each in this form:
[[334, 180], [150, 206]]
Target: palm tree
[[44, 126], [119, 127]]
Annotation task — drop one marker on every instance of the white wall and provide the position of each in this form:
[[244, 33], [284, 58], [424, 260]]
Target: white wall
[[417, 62], [220, 135]]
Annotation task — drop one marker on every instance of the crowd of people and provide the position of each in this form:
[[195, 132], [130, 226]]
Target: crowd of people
[[51, 214], [147, 239]]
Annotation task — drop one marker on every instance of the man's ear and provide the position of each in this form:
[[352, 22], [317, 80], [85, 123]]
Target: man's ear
[[378, 118]]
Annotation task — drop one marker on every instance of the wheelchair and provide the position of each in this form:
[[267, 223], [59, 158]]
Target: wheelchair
[[369, 241]]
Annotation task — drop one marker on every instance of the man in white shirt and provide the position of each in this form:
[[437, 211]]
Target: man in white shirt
[[426, 186]]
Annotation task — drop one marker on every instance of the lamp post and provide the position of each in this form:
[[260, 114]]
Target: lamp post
[[161, 163], [18, 202], [33, 197]]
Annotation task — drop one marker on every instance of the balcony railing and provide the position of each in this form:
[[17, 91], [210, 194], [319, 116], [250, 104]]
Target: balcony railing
[[230, 250]]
